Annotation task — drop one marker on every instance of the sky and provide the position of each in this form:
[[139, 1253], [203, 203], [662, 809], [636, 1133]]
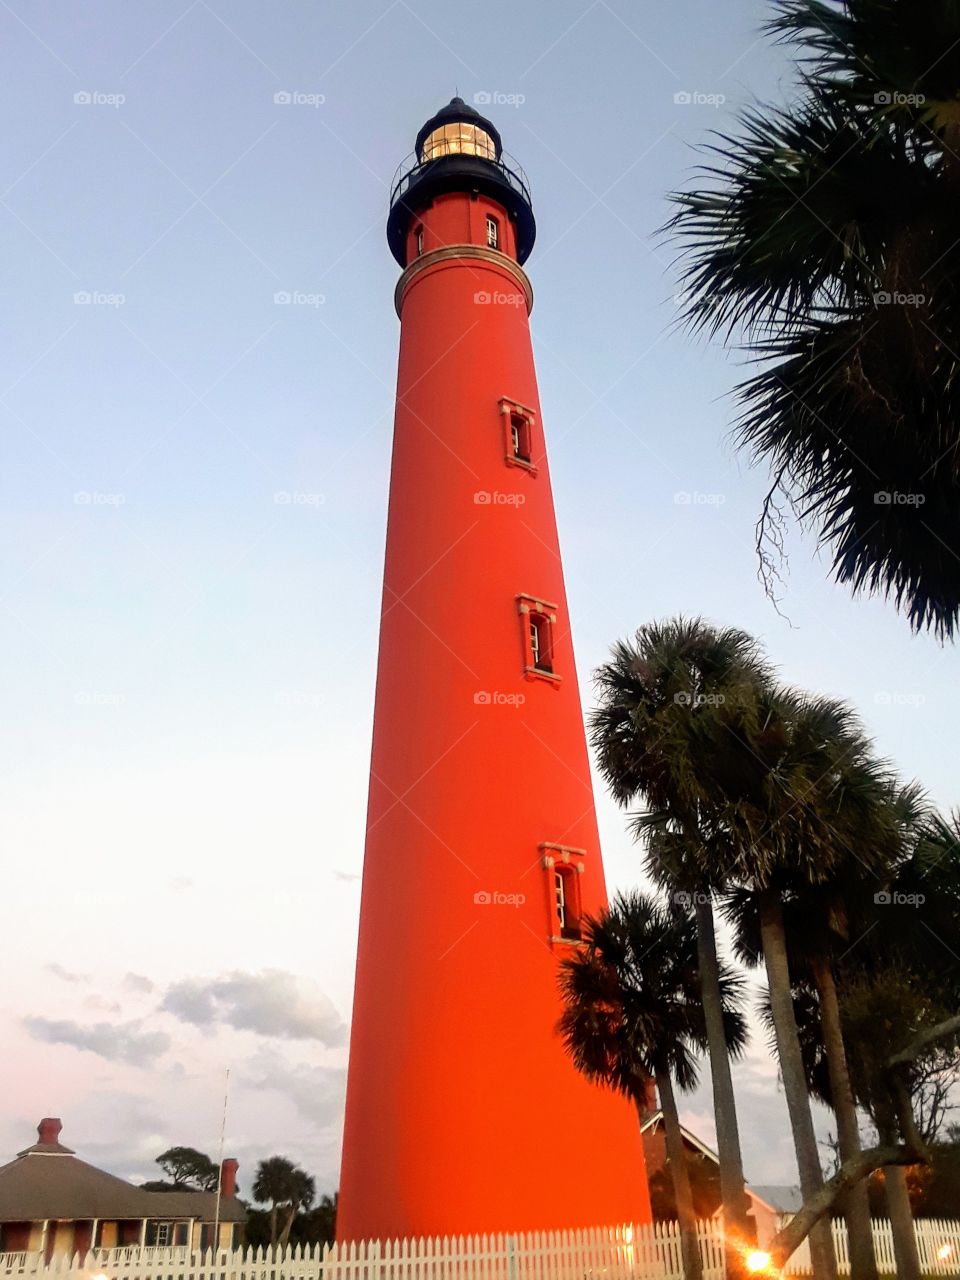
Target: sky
[[193, 505]]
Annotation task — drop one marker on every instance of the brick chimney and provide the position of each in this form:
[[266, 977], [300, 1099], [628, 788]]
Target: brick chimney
[[228, 1178], [49, 1130]]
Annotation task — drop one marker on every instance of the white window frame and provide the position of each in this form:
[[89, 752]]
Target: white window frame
[[560, 898], [493, 232]]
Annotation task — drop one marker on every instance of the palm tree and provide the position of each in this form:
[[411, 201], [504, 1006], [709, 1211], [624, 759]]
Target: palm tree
[[822, 805], [633, 1012], [678, 717], [824, 234], [302, 1191], [280, 1182]]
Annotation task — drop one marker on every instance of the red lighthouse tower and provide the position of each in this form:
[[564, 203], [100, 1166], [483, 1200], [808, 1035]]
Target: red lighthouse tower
[[463, 1112]]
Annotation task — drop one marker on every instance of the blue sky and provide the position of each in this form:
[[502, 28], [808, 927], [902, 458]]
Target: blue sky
[[189, 661]]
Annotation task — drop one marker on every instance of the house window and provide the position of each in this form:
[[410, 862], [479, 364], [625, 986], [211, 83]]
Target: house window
[[182, 1234], [163, 1234], [518, 425], [538, 618], [419, 241], [564, 868], [493, 232]]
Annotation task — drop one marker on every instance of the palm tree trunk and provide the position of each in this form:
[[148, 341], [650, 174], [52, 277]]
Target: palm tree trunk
[[273, 1225], [285, 1233], [733, 1194], [680, 1174], [773, 938], [901, 1223], [856, 1203]]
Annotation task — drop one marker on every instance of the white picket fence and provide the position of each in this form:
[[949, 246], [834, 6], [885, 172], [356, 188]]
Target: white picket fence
[[649, 1252], [938, 1244]]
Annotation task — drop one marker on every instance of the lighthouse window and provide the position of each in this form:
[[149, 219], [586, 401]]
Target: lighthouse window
[[566, 889], [458, 139], [520, 437], [493, 233], [563, 867], [419, 241], [539, 642], [538, 618]]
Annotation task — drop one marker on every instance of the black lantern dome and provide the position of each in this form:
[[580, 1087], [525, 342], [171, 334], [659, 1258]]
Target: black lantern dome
[[458, 149]]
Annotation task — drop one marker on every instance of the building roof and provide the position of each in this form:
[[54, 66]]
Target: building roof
[[783, 1199], [47, 1180], [757, 1193]]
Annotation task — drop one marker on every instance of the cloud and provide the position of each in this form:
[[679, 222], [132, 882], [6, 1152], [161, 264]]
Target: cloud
[[272, 1003], [137, 982], [65, 975], [317, 1092], [116, 1042]]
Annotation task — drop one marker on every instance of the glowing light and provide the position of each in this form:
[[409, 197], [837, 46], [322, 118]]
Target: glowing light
[[758, 1260], [944, 1252], [628, 1235]]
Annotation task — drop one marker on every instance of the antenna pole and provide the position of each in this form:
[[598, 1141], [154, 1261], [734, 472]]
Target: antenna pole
[[223, 1134]]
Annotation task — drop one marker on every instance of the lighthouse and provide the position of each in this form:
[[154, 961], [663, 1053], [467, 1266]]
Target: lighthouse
[[464, 1114]]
